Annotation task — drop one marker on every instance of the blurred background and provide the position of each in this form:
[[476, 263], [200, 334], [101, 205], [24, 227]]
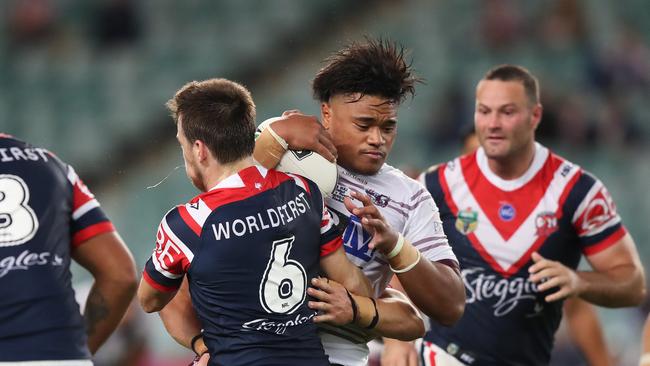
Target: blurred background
[[89, 79]]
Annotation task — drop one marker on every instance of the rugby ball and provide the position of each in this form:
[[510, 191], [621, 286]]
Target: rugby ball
[[308, 164]]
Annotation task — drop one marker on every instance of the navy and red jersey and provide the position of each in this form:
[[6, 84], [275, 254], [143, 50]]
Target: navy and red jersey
[[249, 246], [45, 212], [493, 225]]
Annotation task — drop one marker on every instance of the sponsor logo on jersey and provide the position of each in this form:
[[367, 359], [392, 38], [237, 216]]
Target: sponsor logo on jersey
[[26, 259], [340, 192], [507, 211], [378, 199], [546, 224], [508, 292], [356, 240], [467, 221], [279, 328], [356, 177]]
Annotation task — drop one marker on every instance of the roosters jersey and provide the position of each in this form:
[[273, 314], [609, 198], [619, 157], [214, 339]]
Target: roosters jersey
[[249, 247], [410, 210], [556, 209], [45, 212]]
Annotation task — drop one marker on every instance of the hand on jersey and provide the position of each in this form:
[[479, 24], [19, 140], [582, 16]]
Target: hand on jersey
[[201, 361], [384, 237], [398, 353], [334, 304], [548, 274], [304, 132]]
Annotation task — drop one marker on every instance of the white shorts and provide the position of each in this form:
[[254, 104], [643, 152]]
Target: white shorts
[[433, 355]]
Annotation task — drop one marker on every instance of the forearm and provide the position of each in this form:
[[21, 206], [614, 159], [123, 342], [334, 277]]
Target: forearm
[[392, 318], [180, 318], [269, 148], [436, 289], [586, 332], [357, 283], [181, 322], [337, 267], [106, 304], [398, 318], [617, 287]]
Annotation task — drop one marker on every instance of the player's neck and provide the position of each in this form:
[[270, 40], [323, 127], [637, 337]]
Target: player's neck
[[514, 166], [218, 172]]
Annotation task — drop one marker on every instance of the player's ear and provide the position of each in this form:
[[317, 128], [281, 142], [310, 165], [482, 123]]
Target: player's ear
[[536, 115], [200, 150], [326, 114]]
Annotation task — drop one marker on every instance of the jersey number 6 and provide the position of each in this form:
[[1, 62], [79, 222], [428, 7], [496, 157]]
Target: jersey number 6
[[283, 286]]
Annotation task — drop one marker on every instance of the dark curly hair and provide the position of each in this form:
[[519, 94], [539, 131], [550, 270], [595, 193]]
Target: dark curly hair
[[375, 67]]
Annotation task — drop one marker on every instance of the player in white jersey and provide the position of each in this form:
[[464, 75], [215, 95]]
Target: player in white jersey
[[360, 90]]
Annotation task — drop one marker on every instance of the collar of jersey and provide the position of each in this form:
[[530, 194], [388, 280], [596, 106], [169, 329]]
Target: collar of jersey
[[541, 154], [236, 181]]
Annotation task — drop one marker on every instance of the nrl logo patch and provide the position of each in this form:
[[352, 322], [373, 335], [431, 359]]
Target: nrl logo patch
[[467, 221]]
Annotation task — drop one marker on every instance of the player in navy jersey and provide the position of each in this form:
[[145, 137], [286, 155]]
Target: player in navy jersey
[[47, 218], [519, 218], [249, 245], [360, 90]]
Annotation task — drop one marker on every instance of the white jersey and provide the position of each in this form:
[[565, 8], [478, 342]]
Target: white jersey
[[409, 209]]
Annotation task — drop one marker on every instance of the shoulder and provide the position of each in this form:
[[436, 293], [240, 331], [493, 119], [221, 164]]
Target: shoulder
[[404, 188], [186, 218], [398, 181]]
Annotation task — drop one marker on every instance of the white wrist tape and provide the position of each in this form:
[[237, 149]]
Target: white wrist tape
[[277, 138], [397, 248], [409, 267]]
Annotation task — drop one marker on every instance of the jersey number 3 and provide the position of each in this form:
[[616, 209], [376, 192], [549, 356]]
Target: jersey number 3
[[283, 286], [18, 223]]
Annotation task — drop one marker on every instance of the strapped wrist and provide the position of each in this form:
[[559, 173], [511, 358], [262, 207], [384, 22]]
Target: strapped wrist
[[269, 148], [367, 313], [193, 343], [407, 257], [408, 267], [355, 307], [397, 248]]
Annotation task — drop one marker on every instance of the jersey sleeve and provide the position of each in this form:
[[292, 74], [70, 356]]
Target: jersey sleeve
[[176, 243], [424, 229], [88, 219], [330, 235], [596, 220]]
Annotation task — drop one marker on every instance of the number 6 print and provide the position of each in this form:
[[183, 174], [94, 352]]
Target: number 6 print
[[18, 223], [284, 282]]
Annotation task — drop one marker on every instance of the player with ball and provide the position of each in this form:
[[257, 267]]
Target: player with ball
[[360, 90]]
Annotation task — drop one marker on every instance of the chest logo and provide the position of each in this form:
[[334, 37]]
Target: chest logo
[[507, 211], [546, 224], [467, 221], [378, 199]]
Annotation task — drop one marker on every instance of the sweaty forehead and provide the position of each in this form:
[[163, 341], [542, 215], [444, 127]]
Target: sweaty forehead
[[496, 93]]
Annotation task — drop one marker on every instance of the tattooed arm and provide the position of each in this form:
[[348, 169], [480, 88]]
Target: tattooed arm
[[107, 258]]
